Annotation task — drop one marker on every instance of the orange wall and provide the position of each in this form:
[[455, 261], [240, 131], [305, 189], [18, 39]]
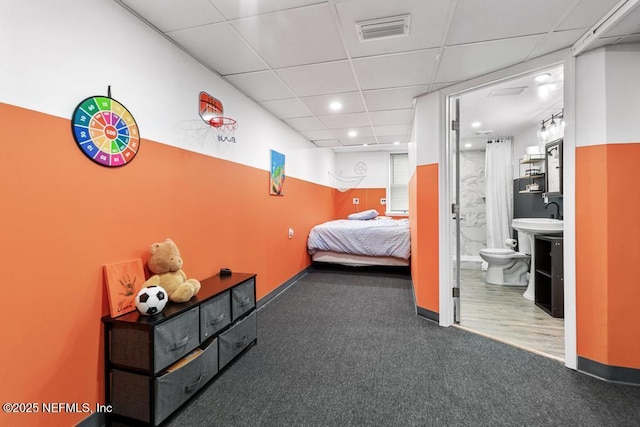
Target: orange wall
[[607, 248], [369, 199], [64, 217], [423, 220]]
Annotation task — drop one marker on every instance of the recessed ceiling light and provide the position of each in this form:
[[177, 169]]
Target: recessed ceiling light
[[396, 142], [353, 133], [468, 145], [542, 77], [365, 145], [335, 105], [475, 124]]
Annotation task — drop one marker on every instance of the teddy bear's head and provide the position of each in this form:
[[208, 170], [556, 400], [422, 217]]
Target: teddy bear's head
[[165, 257]]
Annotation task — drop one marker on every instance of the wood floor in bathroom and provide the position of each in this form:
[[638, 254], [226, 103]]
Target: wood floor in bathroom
[[502, 313]]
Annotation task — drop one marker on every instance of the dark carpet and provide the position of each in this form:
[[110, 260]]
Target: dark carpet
[[346, 349]]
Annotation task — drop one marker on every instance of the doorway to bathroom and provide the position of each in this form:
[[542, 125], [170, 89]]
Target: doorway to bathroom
[[506, 117]]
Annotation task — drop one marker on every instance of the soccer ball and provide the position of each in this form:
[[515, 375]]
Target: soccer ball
[[151, 300]]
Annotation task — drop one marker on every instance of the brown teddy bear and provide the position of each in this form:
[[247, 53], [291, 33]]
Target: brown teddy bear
[[166, 263]]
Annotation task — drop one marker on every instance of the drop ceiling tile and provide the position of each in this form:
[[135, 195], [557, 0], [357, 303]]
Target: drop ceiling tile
[[198, 41], [319, 105], [305, 123], [427, 24], [341, 121], [393, 99], [391, 139], [319, 79], [403, 69], [348, 141], [392, 130], [630, 24], [467, 61], [233, 9], [476, 21], [261, 85], [287, 108], [314, 135], [173, 15], [557, 40], [327, 143], [391, 117], [343, 134], [293, 37], [437, 86], [586, 14]]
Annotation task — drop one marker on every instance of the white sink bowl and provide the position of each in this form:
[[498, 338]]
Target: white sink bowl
[[538, 225]]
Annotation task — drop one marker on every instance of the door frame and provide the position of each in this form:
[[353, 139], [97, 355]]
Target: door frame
[[446, 302]]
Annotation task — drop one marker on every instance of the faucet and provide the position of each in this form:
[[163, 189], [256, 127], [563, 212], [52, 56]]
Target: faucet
[[557, 214]]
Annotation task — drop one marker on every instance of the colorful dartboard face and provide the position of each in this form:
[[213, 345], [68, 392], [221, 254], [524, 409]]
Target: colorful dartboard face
[[105, 131]]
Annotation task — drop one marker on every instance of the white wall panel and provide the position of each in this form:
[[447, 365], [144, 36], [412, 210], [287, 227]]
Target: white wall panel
[[55, 54], [623, 93], [377, 167]]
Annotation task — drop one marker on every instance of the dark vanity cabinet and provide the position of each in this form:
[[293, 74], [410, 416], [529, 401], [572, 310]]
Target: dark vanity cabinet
[[549, 279]]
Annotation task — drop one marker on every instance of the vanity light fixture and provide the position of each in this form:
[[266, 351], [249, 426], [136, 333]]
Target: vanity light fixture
[[554, 130]]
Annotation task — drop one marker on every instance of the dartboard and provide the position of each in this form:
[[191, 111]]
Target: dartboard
[[105, 131]]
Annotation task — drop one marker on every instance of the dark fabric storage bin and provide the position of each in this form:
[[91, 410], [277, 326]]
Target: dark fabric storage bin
[[243, 299], [236, 339], [175, 388], [175, 338], [215, 314], [130, 391], [130, 347], [130, 395]]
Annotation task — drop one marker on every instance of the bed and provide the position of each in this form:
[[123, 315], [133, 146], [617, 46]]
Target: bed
[[381, 241]]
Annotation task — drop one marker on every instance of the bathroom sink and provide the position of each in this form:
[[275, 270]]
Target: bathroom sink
[[538, 225]]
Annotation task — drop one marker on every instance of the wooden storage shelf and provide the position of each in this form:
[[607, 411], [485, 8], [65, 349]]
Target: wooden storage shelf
[[154, 364], [537, 178]]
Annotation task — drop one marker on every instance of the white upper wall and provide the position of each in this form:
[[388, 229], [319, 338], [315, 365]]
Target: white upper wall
[[57, 53], [623, 93], [377, 165], [428, 123], [608, 95]]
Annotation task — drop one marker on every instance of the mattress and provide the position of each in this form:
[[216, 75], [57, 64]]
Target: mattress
[[373, 238], [358, 260]]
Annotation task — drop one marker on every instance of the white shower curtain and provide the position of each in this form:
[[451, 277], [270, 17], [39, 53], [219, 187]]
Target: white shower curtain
[[498, 173]]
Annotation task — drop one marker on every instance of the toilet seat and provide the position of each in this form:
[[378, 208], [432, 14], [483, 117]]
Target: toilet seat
[[498, 251], [503, 253]]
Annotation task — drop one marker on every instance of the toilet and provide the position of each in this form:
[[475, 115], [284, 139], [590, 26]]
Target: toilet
[[506, 266]]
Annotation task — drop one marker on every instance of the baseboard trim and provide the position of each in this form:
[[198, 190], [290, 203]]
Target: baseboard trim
[[616, 374], [97, 419], [277, 291], [428, 314]]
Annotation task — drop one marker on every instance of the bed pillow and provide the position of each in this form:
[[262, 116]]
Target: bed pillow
[[370, 214]]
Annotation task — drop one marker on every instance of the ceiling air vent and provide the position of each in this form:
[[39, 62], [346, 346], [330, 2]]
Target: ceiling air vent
[[382, 28], [507, 91]]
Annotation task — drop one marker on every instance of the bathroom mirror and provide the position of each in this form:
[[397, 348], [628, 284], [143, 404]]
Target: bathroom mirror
[[553, 163]]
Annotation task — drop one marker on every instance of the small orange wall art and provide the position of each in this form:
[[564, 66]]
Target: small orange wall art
[[123, 282]]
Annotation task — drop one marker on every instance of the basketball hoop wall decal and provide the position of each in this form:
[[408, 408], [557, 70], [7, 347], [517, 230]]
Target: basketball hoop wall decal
[[212, 112]]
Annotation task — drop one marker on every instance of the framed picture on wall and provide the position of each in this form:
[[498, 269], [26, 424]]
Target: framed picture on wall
[[553, 164], [276, 178]]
